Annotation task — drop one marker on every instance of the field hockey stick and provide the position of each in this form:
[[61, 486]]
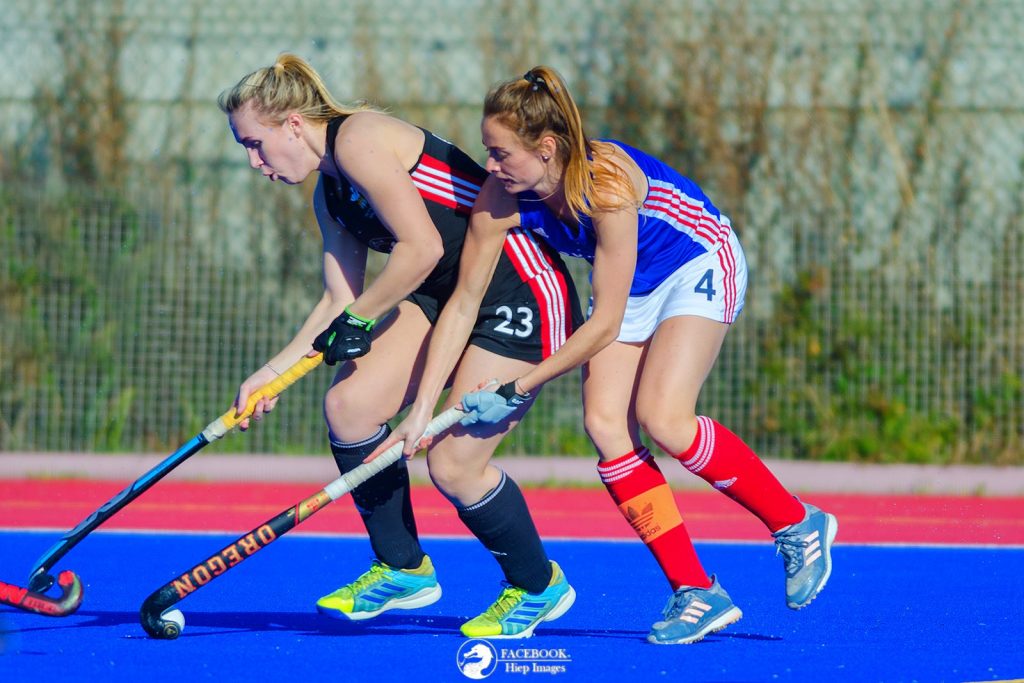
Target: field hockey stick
[[164, 623], [30, 601], [40, 580]]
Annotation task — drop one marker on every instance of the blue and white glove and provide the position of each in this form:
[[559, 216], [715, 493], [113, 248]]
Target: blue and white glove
[[492, 407]]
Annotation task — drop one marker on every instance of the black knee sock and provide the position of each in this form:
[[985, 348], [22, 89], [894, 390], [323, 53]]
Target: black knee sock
[[503, 524], [383, 502]]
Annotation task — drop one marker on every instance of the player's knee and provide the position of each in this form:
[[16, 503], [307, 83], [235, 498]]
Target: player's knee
[[350, 415], [445, 475], [339, 400], [603, 430], [450, 478], [667, 425]]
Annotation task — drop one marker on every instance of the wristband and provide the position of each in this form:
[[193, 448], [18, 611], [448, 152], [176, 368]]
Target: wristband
[[356, 320], [508, 392]]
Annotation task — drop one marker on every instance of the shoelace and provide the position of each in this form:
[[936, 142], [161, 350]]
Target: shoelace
[[375, 575], [508, 599], [791, 544], [676, 604]]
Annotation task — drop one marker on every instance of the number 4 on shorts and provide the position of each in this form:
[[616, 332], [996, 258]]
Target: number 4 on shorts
[[706, 285]]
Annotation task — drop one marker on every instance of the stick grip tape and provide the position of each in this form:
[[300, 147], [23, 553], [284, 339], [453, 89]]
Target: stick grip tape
[[226, 422]]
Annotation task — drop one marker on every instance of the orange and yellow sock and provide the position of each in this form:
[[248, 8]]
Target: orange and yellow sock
[[638, 487]]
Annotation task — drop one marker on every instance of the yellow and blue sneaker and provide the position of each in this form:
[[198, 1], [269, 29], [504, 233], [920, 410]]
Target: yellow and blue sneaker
[[692, 613], [516, 613], [806, 548], [383, 588]]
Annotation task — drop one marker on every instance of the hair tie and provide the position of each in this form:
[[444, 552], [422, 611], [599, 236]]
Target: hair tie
[[534, 80]]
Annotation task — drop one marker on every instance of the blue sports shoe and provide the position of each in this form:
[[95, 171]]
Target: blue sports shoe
[[383, 588], [806, 548], [516, 613], [692, 613]]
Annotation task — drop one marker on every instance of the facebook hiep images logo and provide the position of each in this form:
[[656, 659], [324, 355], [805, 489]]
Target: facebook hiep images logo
[[478, 659]]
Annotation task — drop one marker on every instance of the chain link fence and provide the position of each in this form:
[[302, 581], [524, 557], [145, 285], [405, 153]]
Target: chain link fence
[[868, 152]]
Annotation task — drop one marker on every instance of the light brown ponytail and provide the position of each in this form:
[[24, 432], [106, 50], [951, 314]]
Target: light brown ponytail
[[539, 104]]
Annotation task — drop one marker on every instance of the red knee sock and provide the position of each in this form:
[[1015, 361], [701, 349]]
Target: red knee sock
[[639, 489], [720, 458]]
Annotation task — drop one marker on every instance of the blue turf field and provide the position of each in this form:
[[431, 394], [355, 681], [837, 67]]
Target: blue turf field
[[888, 614]]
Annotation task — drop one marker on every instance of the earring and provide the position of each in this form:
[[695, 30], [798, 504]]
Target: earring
[[545, 158]]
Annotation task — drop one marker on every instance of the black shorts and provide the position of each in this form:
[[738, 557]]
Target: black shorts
[[528, 323]]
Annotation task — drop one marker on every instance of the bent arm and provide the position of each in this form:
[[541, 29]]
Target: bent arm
[[614, 263], [344, 269], [494, 214], [371, 160]]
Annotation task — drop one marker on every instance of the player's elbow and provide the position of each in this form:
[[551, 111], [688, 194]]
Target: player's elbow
[[422, 256], [605, 331], [609, 335], [465, 303], [434, 251], [430, 251]]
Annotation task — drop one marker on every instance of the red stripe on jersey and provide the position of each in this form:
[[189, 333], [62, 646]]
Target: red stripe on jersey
[[533, 262], [690, 215], [438, 182]]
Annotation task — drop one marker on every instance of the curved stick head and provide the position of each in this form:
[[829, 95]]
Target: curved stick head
[[151, 617], [71, 592], [40, 603]]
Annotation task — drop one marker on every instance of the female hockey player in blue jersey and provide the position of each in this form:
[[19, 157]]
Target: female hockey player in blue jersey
[[668, 279]]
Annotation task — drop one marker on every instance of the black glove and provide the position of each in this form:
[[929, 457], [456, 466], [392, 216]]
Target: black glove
[[346, 338]]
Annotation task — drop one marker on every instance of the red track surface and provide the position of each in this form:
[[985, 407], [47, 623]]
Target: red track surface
[[577, 513]]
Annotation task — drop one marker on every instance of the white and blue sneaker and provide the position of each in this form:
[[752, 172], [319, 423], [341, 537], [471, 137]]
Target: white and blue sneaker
[[383, 588], [692, 613], [806, 548]]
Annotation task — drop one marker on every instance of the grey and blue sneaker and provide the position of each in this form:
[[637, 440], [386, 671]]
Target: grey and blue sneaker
[[692, 613], [516, 613], [806, 548], [383, 588]]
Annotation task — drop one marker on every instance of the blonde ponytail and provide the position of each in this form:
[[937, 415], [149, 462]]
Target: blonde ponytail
[[289, 85]]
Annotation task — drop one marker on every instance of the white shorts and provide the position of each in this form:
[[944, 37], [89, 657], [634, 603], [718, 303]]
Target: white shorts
[[712, 286]]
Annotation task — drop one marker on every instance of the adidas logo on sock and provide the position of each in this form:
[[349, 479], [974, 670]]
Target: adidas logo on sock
[[641, 521]]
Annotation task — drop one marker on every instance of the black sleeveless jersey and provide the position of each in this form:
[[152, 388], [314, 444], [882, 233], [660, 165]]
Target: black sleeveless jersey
[[448, 180]]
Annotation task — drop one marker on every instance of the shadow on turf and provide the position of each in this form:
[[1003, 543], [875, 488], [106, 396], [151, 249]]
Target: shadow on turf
[[313, 624]]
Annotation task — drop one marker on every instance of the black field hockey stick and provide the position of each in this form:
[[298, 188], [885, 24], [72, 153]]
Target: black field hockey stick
[[39, 578], [158, 605], [30, 601]]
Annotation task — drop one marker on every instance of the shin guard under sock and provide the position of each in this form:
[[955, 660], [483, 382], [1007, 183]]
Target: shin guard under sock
[[638, 487], [722, 459], [503, 524], [383, 502]]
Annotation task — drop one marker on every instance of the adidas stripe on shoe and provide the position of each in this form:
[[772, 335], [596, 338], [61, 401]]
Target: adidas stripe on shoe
[[806, 548], [516, 613], [692, 613], [383, 588]]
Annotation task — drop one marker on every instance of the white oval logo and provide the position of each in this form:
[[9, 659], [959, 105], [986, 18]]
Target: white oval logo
[[476, 659]]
